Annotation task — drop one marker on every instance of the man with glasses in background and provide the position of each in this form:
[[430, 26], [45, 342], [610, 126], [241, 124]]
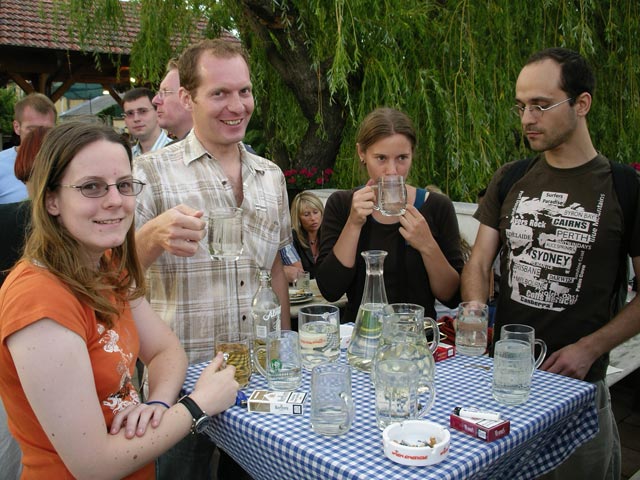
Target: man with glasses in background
[[172, 114], [141, 119], [562, 229]]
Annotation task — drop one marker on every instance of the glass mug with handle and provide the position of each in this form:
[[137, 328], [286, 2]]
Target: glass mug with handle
[[236, 347], [512, 371], [283, 369], [527, 334], [319, 333], [332, 408], [472, 324], [224, 233], [397, 398], [391, 196]]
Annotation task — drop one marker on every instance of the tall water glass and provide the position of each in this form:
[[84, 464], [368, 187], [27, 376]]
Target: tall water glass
[[472, 324], [527, 334], [332, 408], [319, 332], [512, 371]]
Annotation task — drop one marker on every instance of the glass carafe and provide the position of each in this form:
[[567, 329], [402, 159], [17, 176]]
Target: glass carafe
[[366, 333], [403, 338]]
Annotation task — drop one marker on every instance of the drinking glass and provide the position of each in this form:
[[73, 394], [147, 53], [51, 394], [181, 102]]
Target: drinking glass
[[283, 362], [224, 233], [471, 328], [319, 333], [391, 195], [396, 392], [332, 408], [512, 371], [236, 348], [527, 334], [302, 283]]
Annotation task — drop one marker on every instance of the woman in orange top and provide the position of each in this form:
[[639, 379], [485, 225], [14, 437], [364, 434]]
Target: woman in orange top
[[73, 320]]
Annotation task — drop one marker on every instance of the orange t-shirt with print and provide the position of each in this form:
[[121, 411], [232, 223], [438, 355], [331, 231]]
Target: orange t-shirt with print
[[29, 294]]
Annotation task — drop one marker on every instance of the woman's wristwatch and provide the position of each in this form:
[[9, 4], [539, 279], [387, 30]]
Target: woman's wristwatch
[[200, 418]]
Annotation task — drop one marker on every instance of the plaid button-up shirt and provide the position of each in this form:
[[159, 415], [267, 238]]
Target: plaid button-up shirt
[[199, 297]]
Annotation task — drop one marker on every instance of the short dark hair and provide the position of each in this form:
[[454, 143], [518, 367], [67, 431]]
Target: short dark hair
[[576, 75], [136, 93]]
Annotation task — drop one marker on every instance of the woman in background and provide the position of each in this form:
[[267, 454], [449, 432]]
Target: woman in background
[[424, 259], [306, 217], [15, 217], [73, 320]]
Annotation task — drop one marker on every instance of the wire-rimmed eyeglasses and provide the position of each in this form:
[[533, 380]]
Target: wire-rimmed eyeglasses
[[99, 188], [536, 110], [139, 111], [163, 93]]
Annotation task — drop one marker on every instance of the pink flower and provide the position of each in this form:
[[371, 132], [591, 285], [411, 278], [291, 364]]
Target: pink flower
[[305, 178]]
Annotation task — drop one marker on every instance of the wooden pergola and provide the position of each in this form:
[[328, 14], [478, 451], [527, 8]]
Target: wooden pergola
[[37, 51]]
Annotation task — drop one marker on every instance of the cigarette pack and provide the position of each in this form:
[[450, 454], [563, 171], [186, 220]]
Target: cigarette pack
[[286, 403], [443, 352], [487, 430]]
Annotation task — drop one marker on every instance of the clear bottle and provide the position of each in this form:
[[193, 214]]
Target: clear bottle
[[368, 328], [265, 313]]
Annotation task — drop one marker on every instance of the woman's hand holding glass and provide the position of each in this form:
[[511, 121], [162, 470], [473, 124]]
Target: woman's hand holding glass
[[362, 205], [216, 389], [415, 229]]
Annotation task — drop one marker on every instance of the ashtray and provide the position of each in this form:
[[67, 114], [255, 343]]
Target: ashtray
[[416, 442]]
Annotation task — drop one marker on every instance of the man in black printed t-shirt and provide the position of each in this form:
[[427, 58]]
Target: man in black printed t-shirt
[[561, 229]]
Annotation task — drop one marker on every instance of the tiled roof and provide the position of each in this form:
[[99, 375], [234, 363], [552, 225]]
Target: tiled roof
[[32, 23]]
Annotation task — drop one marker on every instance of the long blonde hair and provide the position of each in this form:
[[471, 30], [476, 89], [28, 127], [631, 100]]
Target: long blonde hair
[[300, 202], [119, 277]]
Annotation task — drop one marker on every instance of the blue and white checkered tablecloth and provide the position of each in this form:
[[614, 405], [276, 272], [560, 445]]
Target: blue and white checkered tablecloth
[[559, 416]]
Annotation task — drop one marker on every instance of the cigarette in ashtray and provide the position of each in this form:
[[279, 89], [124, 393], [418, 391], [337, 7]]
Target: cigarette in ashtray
[[418, 443]]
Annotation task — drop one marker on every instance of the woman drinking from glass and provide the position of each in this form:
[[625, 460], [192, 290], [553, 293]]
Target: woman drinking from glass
[[424, 259]]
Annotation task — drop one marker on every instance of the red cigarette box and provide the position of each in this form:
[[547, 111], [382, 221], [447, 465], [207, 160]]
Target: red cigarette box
[[443, 352], [487, 430]]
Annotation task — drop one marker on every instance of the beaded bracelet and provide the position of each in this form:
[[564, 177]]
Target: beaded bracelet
[[157, 402]]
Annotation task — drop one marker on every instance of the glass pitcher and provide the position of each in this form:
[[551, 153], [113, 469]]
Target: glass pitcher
[[366, 333], [403, 338]]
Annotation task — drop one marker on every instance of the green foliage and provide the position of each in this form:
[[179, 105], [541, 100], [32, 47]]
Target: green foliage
[[450, 64], [7, 101]]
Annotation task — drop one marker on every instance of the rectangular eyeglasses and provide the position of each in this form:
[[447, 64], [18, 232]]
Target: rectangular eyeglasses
[[99, 188]]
